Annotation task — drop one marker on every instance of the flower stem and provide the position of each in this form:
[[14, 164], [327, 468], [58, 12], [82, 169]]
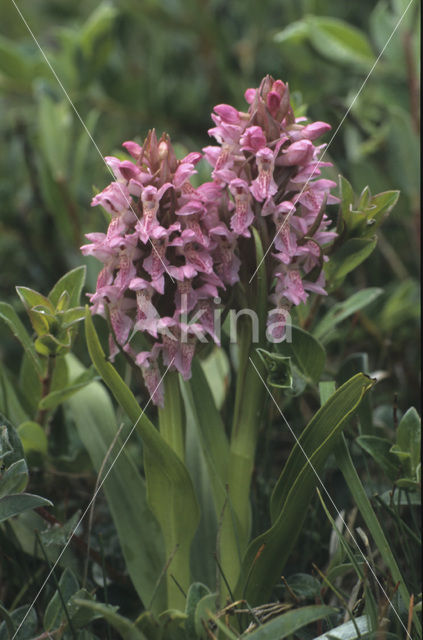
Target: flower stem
[[171, 426], [171, 417], [46, 385], [249, 401]]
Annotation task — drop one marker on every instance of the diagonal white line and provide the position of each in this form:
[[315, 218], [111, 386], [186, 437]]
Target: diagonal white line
[[290, 213], [330, 498], [106, 475], [128, 202]]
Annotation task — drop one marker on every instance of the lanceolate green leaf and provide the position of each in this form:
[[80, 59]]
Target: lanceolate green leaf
[[11, 318], [11, 404], [17, 503], [347, 258], [307, 352], [289, 622], [267, 554], [207, 456], [126, 629], [211, 432], [165, 472], [31, 298], [139, 534], [72, 282], [325, 424], [339, 41], [14, 479], [342, 310]]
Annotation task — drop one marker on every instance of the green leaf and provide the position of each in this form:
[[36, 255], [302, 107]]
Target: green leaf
[[358, 363], [42, 321], [267, 554], [217, 369], [30, 385], [278, 368], [59, 535], [49, 345], [53, 399], [79, 616], [379, 449], [33, 437], [402, 305], [126, 629], [342, 310], [63, 302], [340, 42], [7, 628], [205, 606], [196, 592], [72, 316], [54, 127], [290, 622], [306, 351], [14, 63], [294, 33], [403, 151], [317, 437], [347, 258], [5, 446], [25, 615], [11, 449], [139, 534], [10, 402], [31, 298], [203, 548], [72, 282], [11, 318], [408, 444], [378, 208], [362, 216], [13, 504], [82, 147], [205, 430], [97, 27], [54, 614], [14, 479], [304, 586], [165, 472], [346, 193], [149, 625], [172, 622]]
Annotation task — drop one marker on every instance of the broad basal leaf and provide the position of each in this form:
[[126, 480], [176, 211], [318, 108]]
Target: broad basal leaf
[[267, 554], [168, 477]]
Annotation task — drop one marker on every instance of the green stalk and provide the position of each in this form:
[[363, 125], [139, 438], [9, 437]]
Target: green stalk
[[171, 427], [249, 402], [46, 385], [171, 417]]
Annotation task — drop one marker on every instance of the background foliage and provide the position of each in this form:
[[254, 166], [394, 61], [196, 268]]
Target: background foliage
[[128, 66]]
